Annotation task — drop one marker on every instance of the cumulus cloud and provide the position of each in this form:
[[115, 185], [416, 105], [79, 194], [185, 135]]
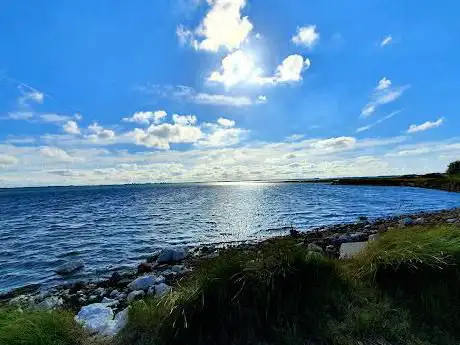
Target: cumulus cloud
[[71, 127], [425, 126], [147, 117], [335, 143], [222, 27], [161, 136], [306, 36], [6, 160], [238, 67], [99, 133], [55, 153], [184, 120], [387, 40], [225, 122], [383, 93]]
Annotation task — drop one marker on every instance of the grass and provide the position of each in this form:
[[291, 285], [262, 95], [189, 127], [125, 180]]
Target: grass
[[403, 289], [39, 328]]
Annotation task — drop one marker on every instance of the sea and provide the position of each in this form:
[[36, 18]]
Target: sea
[[113, 228]]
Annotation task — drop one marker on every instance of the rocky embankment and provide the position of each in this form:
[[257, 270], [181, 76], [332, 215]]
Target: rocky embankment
[[102, 306]]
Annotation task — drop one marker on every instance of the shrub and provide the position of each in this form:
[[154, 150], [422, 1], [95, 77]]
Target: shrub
[[454, 168], [39, 328]]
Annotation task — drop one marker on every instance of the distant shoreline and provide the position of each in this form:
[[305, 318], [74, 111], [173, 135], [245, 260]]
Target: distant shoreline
[[430, 181]]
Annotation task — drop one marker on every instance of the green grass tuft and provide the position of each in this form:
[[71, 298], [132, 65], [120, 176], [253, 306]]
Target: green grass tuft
[[39, 328]]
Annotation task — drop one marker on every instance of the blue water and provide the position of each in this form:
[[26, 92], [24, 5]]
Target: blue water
[[117, 226]]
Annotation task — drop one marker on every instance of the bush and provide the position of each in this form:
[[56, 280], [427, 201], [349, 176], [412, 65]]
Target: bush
[[39, 328], [454, 168], [280, 294]]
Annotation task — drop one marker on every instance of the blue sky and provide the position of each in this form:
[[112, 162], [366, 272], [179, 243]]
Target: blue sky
[[99, 92]]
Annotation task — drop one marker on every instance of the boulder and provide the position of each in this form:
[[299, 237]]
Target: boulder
[[171, 255], [348, 250], [315, 248], [50, 303], [162, 289], [373, 237], [142, 283], [115, 278], [406, 221], [144, 267], [452, 220], [70, 267], [98, 318], [133, 295]]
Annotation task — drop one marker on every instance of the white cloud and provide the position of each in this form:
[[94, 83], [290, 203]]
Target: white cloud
[[295, 137], [383, 84], [71, 127], [55, 118], [262, 99], [222, 27], [425, 126], [225, 122], [29, 95], [306, 36], [386, 117], [6, 160], [189, 94], [19, 115], [335, 143], [238, 67], [55, 153], [184, 120], [161, 136], [147, 117], [383, 93], [387, 40], [291, 69], [99, 133]]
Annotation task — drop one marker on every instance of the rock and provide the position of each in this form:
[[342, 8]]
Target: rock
[[330, 249], [171, 255], [98, 318], [100, 291], [144, 267], [70, 267], [358, 236], [315, 248], [109, 302], [50, 303], [343, 238], [294, 233], [162, 289], [144, 282], [406, 221], [115, 278], [133, 295], [419, 220], [178, 269], [92, 299], [114, 293], [27, 289], [451, 221], [373, 237], [348, 250], [362, 219]]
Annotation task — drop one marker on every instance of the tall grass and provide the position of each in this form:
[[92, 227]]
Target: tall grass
[[39, 328]]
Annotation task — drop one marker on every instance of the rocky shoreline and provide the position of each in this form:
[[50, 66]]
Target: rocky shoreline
[[102, 305]]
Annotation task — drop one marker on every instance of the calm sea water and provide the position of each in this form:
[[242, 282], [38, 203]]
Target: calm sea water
[[116, 226]]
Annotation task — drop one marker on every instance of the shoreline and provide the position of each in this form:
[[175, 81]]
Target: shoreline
[[327, 239]]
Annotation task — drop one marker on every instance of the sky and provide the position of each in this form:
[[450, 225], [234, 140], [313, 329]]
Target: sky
[[114, 91]]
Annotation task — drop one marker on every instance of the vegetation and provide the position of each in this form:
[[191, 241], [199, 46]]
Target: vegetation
[[403, 289], [39, 328], [454, 168]]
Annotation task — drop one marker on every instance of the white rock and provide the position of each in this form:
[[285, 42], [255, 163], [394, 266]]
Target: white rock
[[96, 318], [109, 302], [142, 283], [348, 250], [52, 302], [134, 295], [171, 255], [70, 267], [162, 289]]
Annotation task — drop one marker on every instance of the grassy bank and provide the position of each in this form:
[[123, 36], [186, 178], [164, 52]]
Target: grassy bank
[[403, 289], [446, 182]]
